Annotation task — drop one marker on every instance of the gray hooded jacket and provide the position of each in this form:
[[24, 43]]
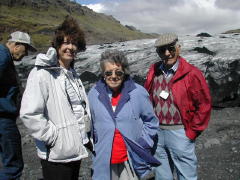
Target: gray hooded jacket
[[47, 113]]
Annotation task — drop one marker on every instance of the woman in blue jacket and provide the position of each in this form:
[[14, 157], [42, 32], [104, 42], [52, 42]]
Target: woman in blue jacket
[[124, 123]]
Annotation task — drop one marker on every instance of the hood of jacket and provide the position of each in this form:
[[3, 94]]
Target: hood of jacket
[[47, 60]]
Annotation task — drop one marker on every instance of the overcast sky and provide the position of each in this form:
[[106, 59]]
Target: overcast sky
[[179, 16]]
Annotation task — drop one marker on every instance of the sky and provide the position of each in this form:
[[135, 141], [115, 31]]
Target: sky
[[178, 16]]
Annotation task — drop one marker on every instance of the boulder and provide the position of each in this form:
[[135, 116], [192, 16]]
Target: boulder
[[204, 50], [204, 35], [224, 81]]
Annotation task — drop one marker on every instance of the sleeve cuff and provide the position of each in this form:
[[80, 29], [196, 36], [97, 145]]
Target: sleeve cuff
[[191, 134]]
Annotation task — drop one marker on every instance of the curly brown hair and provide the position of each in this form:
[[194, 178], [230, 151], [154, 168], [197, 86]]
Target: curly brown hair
[[70, 29]]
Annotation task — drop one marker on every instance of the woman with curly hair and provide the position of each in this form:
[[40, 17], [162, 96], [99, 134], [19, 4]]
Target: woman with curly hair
[[55, 106]]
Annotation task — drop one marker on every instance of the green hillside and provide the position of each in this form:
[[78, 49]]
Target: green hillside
[[232, 31], [40, 18]]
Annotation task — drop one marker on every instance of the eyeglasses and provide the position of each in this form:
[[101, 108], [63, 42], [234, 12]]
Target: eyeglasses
[[163, 49], [117, 73]]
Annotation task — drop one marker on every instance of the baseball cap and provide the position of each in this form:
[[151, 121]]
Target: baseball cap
[[166, 39], [22, 37]]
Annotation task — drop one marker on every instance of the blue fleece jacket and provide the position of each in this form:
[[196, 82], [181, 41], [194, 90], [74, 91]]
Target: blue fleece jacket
[[134, 118], [9, 89]]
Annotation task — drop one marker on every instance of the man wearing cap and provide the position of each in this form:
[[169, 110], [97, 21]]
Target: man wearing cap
[[182, 103], [16, 47]]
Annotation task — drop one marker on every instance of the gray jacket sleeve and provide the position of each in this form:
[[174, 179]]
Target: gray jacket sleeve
[[33, 111]]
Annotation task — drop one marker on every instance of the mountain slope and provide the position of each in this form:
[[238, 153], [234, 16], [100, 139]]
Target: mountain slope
[[232, 31], [40, 18]]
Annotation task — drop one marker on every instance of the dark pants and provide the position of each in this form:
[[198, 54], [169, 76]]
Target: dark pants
[[10, 150], [60, 171]]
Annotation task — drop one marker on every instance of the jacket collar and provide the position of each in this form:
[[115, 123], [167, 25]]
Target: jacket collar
[[103, 89], [183, 69]]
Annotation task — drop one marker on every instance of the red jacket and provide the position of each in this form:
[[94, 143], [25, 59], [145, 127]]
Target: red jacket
[[191, 96]]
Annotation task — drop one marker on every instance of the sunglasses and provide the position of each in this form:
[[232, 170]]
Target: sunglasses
[[68, 42], [110, 73], [162, 50]]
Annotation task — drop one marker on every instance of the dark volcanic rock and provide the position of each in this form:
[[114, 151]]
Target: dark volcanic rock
[[204, 35], [131, 27], [204, 50], [138, 79], [89, 77], [222, 36], [224, 81]]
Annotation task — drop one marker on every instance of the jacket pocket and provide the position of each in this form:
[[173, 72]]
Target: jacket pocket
[[68, 144], [142, 159], [187, 112], [141, 141]]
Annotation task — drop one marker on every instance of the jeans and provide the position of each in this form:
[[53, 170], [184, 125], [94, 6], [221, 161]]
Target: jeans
[[10, 150], [176, 152]]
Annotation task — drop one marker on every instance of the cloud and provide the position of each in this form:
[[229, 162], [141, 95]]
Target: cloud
[[180, 16], [96, 7], [86, 2], [228, 4]]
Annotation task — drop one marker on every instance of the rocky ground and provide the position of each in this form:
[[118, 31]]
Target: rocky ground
[[218, 150]]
